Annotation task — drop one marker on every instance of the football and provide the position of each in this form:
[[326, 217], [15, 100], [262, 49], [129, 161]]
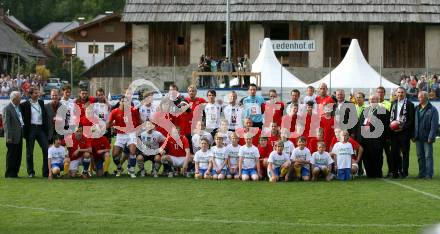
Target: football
[[395, 125]]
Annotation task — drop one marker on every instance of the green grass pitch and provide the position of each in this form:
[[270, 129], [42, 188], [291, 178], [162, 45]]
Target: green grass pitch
[[176, 205]]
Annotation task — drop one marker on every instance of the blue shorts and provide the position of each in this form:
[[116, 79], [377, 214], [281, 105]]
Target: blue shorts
[[228, 172], [305, 172], [58, 165], [214, 172], [99, 164], [202, 171], [344, 174], [250, 172], [276, 170]]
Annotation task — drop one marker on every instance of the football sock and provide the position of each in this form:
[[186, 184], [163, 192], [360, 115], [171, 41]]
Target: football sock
[[106, 164], [66, 168], [132, 161], [86, 164], [141, 165], [117, 162]]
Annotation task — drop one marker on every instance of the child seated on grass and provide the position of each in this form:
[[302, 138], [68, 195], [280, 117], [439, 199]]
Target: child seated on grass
[[321, 163], [56, 158], [278, 163], [202, 160], [249, 165], [301, 160]]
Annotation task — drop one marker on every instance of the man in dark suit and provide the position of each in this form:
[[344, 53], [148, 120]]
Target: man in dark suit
[[35, 128], [51, 110], [402, 110], [372, 133], [345, 113], [13, 126]]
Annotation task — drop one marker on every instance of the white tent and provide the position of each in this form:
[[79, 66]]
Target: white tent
[[272, 74], [354, 72], [267, 63]]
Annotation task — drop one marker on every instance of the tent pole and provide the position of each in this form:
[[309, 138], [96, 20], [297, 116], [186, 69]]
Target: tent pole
[[281, 93], [330, 72], [380, 69]]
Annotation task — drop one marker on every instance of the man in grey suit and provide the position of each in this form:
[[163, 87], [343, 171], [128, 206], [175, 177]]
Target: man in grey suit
[[51, 110], [13, 126]]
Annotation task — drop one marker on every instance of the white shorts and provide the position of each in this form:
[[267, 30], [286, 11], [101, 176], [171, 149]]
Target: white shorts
[[123, 140], [177, 161], [74, 165]]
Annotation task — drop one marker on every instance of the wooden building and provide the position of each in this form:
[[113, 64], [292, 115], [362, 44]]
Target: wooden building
[[98, 38], [394, 34], [113, 73]]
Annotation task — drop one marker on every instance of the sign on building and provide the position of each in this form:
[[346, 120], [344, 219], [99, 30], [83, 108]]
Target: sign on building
[[292, 45]]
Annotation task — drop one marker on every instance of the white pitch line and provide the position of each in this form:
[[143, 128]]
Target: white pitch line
[[412, 189], [217, 221]]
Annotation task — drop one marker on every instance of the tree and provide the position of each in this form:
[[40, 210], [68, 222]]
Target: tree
[[42, 71], [38, 13]]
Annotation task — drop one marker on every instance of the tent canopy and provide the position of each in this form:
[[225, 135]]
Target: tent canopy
[[273, 75], [354, 72]]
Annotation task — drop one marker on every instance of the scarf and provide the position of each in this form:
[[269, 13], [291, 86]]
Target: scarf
[[404, 111]]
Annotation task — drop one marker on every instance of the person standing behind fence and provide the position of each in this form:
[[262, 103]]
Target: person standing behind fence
[[227, 67], [35, 128], [426, 124], [13, 126]]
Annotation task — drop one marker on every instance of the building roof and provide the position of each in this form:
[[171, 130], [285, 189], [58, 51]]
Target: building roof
[[402, 11], [12, 43], [19, 24], [98, 19], [49, 31]]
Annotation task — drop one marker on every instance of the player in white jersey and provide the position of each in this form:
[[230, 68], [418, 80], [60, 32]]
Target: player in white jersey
[[232, 151], [198, 134], [343, 151], [248, 164], [224, 132], [233, 112], [301, 160], [147, 108], [321, 163], [148, 150], [288, 145], [211, 113], [219, 159], [101, 110], [202, 161], [57, 155], [69, 105], [278, 163]]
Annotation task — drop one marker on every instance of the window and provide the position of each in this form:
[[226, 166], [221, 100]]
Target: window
[[180, 40], [344, 45], [108, 49], [109, 29], [95, 51]]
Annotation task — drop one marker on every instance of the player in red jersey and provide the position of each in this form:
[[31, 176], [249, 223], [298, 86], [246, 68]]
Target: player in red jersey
[[272, 109], [175, 152], [264, 149], [254, 131], [274, 135], [80, 149], [83, 101], [101, 155], [323, 98], [192, 98], [125, 121], [327, 124]]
